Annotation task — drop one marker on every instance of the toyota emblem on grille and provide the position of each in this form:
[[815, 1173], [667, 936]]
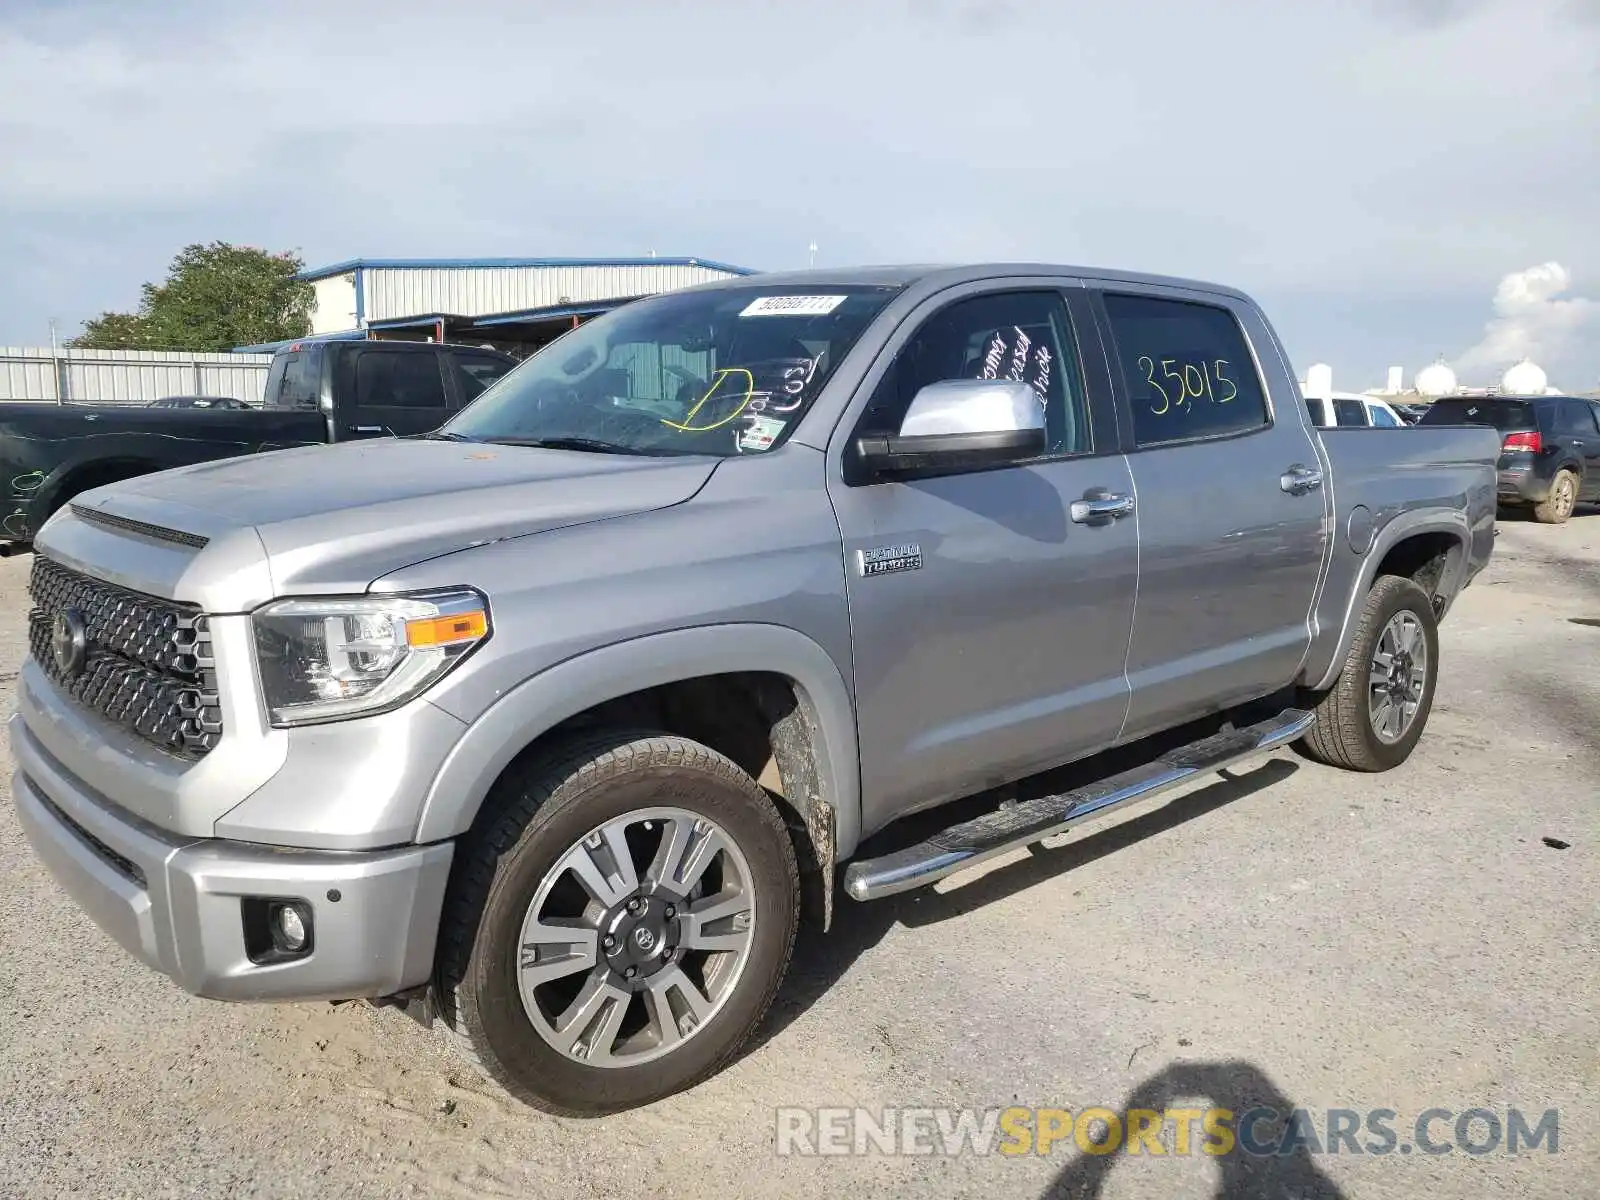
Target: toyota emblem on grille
[[69, 641]]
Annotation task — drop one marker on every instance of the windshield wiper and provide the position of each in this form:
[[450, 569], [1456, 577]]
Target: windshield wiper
[[446, 435], [589, 445]]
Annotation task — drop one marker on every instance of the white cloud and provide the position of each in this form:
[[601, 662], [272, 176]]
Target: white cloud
[[1534, 318]]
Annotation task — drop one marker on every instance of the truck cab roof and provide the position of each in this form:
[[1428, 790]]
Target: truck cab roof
[[938, 275]]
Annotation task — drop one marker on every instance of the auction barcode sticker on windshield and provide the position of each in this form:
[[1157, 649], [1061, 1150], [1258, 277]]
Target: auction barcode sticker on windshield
[[792, 306]]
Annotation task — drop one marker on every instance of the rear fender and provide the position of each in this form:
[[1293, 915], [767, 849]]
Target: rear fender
[[1321, 673], [73, 478]]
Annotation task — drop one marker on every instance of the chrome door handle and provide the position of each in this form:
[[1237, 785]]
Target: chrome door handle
[[366, 429], [1096, 508], [1298, 480]]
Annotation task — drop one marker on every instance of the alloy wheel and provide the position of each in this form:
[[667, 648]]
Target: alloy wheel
[[1398, 677], [636, 937]]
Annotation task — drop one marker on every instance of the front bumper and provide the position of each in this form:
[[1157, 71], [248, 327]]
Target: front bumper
[[176, 902]]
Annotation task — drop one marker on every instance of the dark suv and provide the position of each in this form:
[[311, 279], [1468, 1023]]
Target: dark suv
[[1549, 447]]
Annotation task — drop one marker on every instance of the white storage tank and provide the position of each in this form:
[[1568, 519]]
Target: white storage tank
[[1437, 379], [1527, 378]]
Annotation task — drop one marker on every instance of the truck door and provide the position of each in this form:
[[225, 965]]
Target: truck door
[[389, 391], [1231, 506], [991, 642], [1575, 421]]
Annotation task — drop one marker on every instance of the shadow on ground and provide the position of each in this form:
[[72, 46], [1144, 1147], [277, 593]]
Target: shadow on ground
[[1234, 1085]]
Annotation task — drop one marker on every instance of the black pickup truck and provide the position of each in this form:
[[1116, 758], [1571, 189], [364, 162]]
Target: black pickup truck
[[316, 392]]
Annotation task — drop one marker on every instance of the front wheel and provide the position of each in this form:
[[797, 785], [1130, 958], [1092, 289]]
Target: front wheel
[[1375, 714], [616, 933]]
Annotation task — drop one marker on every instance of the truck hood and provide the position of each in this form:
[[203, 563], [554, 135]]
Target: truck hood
[[335, 518]]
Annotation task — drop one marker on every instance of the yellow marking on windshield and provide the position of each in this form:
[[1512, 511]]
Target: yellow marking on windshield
[[688, 426]]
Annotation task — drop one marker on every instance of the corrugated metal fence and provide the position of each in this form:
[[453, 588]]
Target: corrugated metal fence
[[128, 376]]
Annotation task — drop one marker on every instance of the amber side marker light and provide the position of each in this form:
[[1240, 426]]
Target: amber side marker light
[[446, 631]]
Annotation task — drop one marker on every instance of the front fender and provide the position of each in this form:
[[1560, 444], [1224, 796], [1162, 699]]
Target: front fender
[[1322, 670], [578, 684]]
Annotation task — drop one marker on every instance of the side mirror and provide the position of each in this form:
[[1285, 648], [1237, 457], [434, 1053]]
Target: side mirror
[[960, 424]]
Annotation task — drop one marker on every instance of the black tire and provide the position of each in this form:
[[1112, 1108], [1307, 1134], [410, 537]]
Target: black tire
[[1343, 735], [1556, 508], [538, 814]]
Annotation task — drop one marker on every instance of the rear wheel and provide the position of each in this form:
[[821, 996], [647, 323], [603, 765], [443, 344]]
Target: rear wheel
[[621, 927], [1558, 505], [1375, 714]]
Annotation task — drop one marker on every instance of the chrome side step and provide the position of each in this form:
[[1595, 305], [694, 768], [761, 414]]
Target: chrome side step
[[1006, 829]]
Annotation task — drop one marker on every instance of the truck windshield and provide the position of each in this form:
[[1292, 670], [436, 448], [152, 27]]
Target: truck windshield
[[1502, 414], [724, 371]]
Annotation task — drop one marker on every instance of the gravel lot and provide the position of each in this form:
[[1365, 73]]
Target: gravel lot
[[1296, 935]]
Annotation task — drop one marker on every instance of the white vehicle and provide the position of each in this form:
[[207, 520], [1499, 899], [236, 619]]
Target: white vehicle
[[1351, 408]]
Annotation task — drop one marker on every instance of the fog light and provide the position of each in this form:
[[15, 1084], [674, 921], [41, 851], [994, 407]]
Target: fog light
[[289, 928], [276, 930]]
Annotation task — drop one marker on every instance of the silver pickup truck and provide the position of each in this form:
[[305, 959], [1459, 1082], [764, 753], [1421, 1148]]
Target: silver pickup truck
[[537, 724]]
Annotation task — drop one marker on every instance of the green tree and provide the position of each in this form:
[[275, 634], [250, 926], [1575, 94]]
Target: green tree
[[111, 331], [214, 298]]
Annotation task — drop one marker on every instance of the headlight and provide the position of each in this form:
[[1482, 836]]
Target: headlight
[[321, 660]]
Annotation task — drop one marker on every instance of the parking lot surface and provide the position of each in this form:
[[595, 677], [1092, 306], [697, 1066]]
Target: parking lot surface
[[1292, 936]]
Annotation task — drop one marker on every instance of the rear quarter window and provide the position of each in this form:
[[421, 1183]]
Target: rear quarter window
[[474, 372], [1349, 412], [294, 380], [1500, 414]]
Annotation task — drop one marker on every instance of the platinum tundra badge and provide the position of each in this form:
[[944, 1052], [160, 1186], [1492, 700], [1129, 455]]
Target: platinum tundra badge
[[889, 558]]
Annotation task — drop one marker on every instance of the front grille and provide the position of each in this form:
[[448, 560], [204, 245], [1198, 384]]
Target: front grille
[[147, 664]]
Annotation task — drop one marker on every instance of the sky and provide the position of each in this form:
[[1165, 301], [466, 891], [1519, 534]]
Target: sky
[[1392, 179]]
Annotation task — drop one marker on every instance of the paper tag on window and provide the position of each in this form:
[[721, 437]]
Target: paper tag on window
[[760, 433], [791, 306]]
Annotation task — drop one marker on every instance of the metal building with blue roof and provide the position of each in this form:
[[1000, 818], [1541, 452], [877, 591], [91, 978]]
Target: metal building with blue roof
[[518, 303]]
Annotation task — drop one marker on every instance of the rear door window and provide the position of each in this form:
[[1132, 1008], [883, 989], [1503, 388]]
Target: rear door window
[[1576, 419], [398, 379], [1188, 369], [393, 391]]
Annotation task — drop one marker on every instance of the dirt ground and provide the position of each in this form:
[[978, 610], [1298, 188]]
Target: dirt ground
[[1295, 934]]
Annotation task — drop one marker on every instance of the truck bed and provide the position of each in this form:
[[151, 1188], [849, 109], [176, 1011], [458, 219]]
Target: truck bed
[[1401, 476], [46, 448]]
